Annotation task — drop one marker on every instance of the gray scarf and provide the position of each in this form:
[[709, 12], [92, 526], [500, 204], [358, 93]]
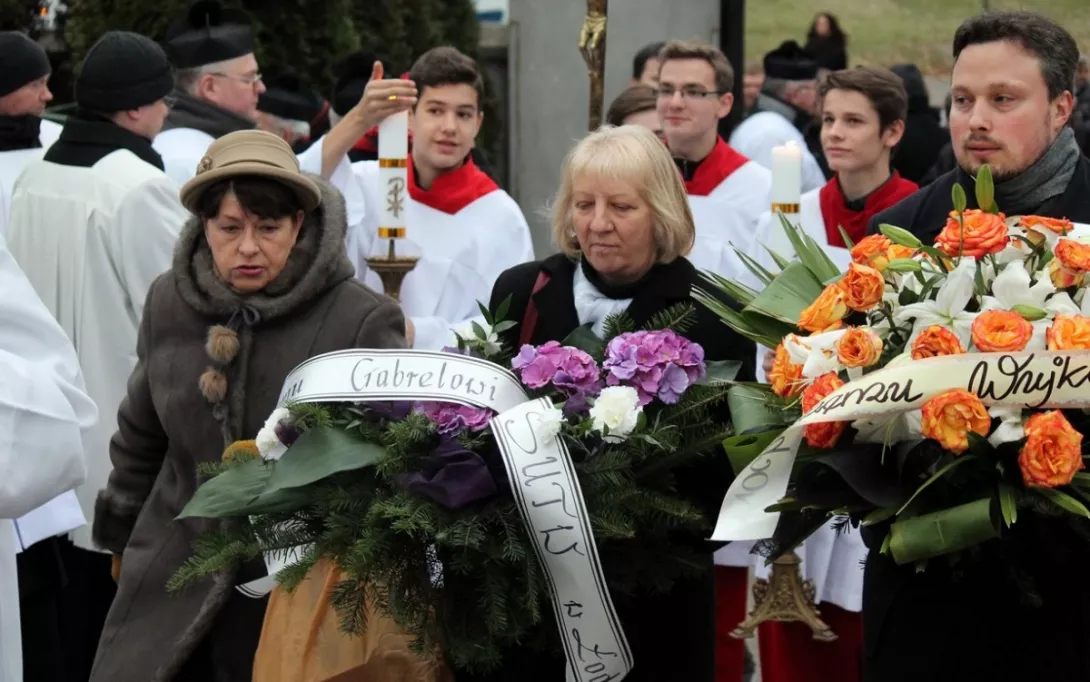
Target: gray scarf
[[1027, 192], [190, 112]]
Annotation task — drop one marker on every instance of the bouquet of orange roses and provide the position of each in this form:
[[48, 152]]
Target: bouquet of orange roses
[[935, 391]]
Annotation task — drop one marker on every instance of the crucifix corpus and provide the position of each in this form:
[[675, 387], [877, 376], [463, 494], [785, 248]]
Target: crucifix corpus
[[592, 44]]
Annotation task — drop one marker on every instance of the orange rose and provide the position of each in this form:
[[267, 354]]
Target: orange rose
[[872, 251], [984, 233], [1074, 255], [1001, 331], [1053, 451], [863, 287], [785, 377], [899, 251], [826, 313], [949, 416], [1069, 332], [859, 347], [825, 434], [1060, 226], [1064, 277], [935, 341]]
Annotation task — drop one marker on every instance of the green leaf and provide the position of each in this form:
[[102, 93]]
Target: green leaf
[[810, 255], [318, 454], [942, 532], [502, 310], [755, 327], [904, 265], [789, 294], [485, 312], [1029, 312], [779, 260], [1007, 504], [899, 235], [504, 326], [741, 450], [750, 411], [720, 371], [939, 257], [936, 476], [957, 197], [985, 188], [237, 492], [879, 515], [586, 340], [848, 243], [1063, 501], [734, 290], [753, 266], [479, 331]]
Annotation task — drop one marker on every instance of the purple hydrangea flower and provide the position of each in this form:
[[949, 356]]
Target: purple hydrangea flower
[[658, 364], [451, 418], [568, 369]]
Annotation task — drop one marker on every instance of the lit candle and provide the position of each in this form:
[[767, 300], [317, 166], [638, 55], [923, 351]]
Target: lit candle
[[393, 164], [786, 194]]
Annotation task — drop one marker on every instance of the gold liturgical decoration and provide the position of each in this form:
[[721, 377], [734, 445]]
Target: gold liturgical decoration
[[592, 45], [393, 165], [784, 597], [392, 269]]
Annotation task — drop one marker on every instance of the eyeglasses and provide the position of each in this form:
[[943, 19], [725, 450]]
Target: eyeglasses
[[688, 92], [251, 80]]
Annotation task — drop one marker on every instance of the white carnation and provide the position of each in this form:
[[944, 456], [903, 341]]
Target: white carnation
[[548, 425], [490, 344], [618, 409], [268, 443]]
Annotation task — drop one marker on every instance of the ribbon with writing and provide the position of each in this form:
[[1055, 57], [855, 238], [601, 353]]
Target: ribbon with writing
[[543, 480], [1026, 379]]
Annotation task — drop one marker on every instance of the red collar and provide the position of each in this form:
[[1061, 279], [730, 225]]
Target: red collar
[[835, 211], [454, 190], [713, 170]]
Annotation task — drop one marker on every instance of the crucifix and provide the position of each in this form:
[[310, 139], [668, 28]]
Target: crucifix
[[592, 45]]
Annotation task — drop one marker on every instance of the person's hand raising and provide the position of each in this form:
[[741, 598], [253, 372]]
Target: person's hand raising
[[384, 96]]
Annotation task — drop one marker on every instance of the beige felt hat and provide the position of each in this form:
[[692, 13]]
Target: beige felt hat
[[250, 152]]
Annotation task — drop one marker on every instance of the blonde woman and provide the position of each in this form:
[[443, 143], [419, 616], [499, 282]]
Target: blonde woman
[[623, 226]]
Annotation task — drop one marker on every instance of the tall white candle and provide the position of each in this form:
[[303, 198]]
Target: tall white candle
[[393, 164], [786, 194]]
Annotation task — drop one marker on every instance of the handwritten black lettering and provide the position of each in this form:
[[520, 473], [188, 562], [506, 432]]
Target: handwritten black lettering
[[578, 637], [562, 501], [756, 478], [573, 547], [1070, 377], [877, 392], [571, 606]]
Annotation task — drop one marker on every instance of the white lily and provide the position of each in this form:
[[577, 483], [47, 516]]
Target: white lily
[[817, 354], [947, 309], [1011, 427]]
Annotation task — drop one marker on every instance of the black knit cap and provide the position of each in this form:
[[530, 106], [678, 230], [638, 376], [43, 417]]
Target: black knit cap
[[790, 62], [207, 34], [22, 61], [286, 96], [352, 73], [123, 71]]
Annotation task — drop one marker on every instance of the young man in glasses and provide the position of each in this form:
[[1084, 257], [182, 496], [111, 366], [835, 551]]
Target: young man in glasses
[[217, 84], [727, 191]]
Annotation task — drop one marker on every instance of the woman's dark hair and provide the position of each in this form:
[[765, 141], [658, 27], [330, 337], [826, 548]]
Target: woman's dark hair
[[263, 197], [835, 33], [1045, 39], [632, 100]]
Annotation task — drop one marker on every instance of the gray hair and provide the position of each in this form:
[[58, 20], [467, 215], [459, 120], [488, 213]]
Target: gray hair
[[186, 80]]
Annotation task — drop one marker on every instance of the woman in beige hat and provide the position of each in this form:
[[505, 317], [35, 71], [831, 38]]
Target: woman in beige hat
[[260, 283]]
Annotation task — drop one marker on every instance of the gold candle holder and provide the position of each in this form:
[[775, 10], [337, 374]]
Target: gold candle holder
[[392, 269], [784, 597]]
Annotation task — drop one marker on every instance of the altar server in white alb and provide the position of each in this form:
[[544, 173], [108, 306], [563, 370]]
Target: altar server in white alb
[[863, 114], [464, 228], [46, 414], [92, 224], [727, 191], [217, 84], [24, 94]]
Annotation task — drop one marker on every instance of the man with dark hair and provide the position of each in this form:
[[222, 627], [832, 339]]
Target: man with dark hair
[[465, 229], [645, 65], [1017, 608]]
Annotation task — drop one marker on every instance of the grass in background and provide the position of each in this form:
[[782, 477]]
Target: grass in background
[[887, 32]]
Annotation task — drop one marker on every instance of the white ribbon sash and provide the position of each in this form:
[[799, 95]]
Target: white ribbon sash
[[542, 479], [1026, 379]]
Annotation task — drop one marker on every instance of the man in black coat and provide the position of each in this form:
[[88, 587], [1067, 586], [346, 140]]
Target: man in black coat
[[977, 619]]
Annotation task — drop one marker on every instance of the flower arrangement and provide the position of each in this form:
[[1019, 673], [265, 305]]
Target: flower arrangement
[[410, 498], [943, 467]]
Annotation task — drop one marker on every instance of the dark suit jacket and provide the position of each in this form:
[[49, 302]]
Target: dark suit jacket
[[671, 635], [972, 621]]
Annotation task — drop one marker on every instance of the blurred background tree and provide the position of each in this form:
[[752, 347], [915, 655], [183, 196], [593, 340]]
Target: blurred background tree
[[19, 15]]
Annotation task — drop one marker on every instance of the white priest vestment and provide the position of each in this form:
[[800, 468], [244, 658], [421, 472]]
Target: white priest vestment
[[465, 229], [757, 135], [91, 240], [182, 150], [727, 193], [44, 416], [13, 162]]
